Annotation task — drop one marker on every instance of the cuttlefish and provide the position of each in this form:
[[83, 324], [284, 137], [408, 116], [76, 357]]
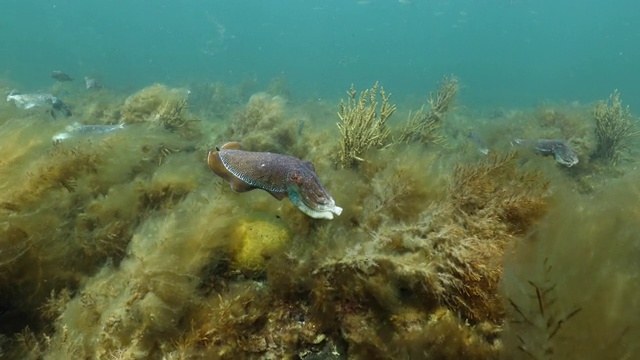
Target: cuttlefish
[[558, 148], [279, 175]]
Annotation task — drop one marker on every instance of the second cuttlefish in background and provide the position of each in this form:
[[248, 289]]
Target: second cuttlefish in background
[[558, 148]]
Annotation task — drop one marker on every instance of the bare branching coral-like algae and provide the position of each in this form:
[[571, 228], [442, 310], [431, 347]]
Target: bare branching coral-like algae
[[614, 128], [363, 124], [544, 318]]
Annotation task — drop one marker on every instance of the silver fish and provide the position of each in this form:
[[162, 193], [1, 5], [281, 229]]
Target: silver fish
[[29, 101], [91, 83], [78, 128], [558, 148], [97, 129], [479, 143]]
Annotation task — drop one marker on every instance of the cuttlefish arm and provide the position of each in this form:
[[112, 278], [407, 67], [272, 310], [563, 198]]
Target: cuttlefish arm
[[280, 175]]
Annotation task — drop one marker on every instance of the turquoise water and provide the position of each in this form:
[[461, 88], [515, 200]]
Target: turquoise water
[[458, 239], [506, 53]]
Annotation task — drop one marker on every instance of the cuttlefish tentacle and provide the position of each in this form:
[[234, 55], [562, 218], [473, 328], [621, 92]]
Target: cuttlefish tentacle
[[280, 175]]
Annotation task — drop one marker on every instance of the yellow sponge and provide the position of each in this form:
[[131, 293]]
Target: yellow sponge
[[255, 240]]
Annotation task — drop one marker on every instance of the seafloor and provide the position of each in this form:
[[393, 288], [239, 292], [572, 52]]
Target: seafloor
[[125, 245]]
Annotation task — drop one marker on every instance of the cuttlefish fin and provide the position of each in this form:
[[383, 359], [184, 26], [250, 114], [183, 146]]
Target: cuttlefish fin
[[232, 145], [215, 163], [309, 165], [238, 185], [278, 195]]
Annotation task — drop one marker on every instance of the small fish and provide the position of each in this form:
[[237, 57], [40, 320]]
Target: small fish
[[61, 76], [29, 101], [78, 128], [279, 175], [98, 129], [91, 83], [558, 148], [479, 143]]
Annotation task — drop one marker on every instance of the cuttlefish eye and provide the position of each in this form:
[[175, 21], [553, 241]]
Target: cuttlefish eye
[[296, 177]]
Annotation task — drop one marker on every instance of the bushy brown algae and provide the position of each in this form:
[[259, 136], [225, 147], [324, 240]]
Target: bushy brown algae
[[71, 208], [125, 246], [263, 124], [163, 106]]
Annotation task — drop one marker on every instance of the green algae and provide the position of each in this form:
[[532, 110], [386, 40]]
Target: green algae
[[124, 245]]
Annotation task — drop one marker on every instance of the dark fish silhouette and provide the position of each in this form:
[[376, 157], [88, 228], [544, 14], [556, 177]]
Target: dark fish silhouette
[[59, 105], [61, 76], [279, 175]]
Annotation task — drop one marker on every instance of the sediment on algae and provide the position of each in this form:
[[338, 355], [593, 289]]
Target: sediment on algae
[[152, 256], [67, 208], [450, 253], [161, 106], [263, 124], [573, 281]]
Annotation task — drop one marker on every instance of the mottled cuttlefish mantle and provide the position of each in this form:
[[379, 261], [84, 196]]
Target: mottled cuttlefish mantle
[[279, 175], [559, 149]]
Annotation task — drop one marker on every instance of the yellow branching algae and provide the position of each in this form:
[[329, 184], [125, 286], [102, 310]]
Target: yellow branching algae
[[124, 245], [363, 124]]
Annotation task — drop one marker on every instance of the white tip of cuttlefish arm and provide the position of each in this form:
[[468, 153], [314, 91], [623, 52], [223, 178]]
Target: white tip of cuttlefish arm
[[327, 214], [337, 210]]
